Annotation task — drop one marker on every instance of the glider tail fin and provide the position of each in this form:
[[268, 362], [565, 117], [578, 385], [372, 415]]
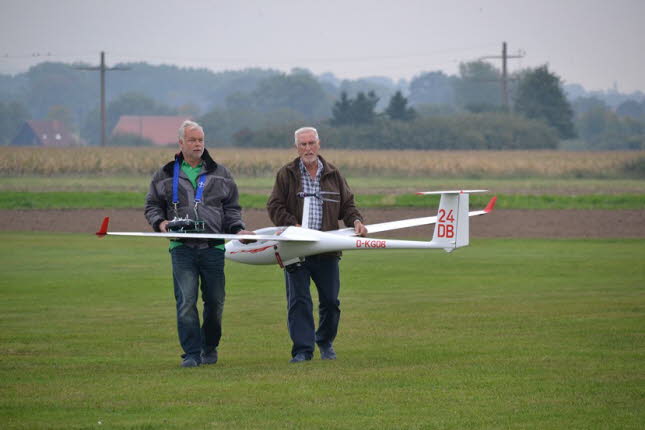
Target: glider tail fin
[[104, 228], [452, 229]]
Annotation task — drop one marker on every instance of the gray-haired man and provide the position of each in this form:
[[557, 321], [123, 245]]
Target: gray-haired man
[[312, 174], [194, 186]]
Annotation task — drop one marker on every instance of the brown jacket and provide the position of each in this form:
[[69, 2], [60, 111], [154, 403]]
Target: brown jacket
[[285, 207]]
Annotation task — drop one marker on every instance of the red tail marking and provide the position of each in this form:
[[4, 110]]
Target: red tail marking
[[491, 204], [104, 227]]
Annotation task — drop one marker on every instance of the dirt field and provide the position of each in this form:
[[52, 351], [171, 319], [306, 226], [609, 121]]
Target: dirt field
[[500, 223]]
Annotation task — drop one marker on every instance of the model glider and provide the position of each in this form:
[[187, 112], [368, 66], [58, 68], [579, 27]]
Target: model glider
[[287, 245]]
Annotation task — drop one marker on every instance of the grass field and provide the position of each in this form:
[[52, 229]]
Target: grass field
[[135, 200], [503, 334], [65, 178], [119, 191], [360, 184]]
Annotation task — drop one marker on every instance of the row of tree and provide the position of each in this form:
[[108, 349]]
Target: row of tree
[[12, 116], [232, 104], [601, 128], [470, 131]]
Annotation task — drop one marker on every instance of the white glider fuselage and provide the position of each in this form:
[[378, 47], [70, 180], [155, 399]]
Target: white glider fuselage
[[275, 252]]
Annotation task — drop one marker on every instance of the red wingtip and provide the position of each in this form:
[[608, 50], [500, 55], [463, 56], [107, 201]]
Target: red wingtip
[[104, 227], [491, 204]]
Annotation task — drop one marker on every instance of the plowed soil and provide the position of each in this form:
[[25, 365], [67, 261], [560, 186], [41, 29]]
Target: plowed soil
[[500, 223]]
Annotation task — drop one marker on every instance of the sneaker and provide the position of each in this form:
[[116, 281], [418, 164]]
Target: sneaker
[[190, 362], [299, 358], [327, 353], [209, 357]]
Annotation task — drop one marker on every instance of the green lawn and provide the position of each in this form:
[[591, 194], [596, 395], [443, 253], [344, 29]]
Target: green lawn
[[135, 200], [503, 334], [76, 192], [361, 185]]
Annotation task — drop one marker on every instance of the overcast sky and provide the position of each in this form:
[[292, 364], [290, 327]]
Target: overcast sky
[[591, 42]]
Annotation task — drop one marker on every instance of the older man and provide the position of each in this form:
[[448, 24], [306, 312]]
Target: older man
[[310, 173], [196, 188]]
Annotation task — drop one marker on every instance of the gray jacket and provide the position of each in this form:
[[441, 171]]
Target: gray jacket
[[219, 209]]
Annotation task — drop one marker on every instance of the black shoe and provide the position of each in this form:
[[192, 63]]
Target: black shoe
[[190, 362], [299, 358], [327, 353], [210, 357]]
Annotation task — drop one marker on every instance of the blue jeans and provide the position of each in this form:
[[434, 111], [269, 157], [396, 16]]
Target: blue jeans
[[324, 271], [189, 266]]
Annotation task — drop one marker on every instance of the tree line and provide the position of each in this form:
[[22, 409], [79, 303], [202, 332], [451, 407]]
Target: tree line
[[248, 107]]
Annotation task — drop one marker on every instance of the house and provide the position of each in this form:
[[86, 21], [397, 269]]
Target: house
[[161, 130], [44, 133]]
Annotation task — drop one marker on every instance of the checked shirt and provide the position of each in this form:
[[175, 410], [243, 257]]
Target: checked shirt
[[312, 185]]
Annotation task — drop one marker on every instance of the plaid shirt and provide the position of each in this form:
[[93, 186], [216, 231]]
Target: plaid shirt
[[312, 185]]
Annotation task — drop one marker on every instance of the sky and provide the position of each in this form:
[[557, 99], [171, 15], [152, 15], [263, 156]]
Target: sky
[[597, 44]]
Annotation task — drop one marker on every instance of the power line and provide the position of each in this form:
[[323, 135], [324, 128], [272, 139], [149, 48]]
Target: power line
[[273, 59]]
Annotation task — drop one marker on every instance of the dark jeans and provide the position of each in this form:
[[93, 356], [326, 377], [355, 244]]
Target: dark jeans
[[323, 269], [189, 266]]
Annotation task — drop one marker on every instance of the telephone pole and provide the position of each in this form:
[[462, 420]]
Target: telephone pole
[[101, 68], [504, 58]]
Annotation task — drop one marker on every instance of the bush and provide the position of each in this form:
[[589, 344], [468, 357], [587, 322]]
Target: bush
[[459, 132], [456, 132]]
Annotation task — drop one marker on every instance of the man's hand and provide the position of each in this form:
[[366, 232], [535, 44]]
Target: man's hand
[[246, 241], [359, 228], [162, 226]]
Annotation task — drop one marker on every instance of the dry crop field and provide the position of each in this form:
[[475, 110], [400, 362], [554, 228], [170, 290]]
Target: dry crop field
[[264, 162]]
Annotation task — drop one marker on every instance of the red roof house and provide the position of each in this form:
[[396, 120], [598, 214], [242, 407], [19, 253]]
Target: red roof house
[[161, 130], [44, 133]]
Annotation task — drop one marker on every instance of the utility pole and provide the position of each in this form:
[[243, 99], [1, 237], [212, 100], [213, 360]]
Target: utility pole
[[103, 69], [504, 58]]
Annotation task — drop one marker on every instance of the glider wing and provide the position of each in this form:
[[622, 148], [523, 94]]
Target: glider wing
[[286, 236], [406, 223]]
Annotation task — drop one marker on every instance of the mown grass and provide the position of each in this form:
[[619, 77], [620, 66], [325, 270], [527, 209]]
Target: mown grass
[[122, 200], [503, 334], [360, 184]]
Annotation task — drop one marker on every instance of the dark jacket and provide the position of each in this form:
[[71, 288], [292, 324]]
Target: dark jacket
[[219, 208], [285, 207]]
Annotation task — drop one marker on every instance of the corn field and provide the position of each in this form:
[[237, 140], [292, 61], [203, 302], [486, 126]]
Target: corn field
[[265, 162]]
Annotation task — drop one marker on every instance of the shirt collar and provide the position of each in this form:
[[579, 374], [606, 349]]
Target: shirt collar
[[304, 171], [184, 163]]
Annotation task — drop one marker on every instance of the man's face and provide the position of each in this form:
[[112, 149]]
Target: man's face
[[192, 147], [308, 147]]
